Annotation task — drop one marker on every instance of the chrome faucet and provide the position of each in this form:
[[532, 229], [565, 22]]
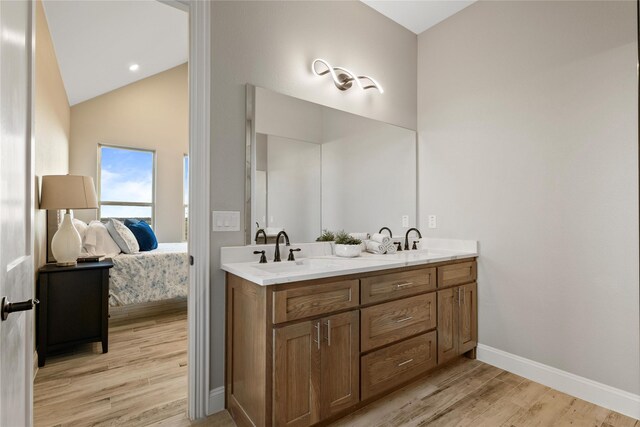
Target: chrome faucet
[[406, 239], [264, 234], [276, 257]]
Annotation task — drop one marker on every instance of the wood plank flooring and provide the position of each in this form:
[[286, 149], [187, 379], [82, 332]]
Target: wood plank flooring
[[143, 381]]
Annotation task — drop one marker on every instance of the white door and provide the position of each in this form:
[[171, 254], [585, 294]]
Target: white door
[[16, 209]]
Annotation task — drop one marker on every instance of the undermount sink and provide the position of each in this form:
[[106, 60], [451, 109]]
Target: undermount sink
[[302, 265]]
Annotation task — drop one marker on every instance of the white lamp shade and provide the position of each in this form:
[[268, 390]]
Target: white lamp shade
[[68, 192]]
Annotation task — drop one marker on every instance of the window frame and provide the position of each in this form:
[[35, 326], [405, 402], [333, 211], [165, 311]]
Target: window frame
[[152, 204]]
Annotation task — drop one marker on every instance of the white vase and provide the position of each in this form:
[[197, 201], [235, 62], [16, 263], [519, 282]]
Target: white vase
[[347, 251], [66, 244]]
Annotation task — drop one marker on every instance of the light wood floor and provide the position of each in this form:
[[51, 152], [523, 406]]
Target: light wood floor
[[142, 381]]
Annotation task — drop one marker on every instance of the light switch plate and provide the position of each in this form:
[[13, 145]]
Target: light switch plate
[[432, 221], [225, 221], [405, 220]]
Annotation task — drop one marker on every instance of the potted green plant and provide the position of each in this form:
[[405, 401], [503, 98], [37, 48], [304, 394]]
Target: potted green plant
[[326, 236], [347, 246]]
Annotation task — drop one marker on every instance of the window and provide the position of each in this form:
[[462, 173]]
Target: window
[[126, 177], [185, 195]]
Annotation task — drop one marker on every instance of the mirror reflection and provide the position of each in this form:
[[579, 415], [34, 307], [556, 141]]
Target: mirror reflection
[[313, 167]]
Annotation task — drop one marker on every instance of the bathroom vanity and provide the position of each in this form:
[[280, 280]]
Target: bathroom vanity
[[312, 340], [309, 343]]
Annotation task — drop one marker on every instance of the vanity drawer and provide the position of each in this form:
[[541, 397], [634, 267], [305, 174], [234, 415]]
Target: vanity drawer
[[457, 274], [313, 300], [392, 321], [394, 365], [395, 285]]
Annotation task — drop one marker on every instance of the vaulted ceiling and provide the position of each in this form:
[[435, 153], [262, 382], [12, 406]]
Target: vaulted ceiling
[[418, 16], [97, 41]]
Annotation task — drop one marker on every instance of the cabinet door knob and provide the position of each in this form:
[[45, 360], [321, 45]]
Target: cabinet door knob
[[12, 307]]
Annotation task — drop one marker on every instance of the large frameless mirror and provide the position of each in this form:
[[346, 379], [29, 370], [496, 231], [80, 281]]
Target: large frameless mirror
[[311, 167]]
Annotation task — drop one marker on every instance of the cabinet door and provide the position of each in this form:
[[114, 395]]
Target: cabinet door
[[340, 375], [447, 324], [297, 374], [468, 326]]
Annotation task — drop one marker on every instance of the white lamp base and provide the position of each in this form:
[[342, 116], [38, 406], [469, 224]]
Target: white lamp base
[[66, 244]]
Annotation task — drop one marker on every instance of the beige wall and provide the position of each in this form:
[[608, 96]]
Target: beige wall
[[528, 128], [272, 44], [51, 124], [152, 113]]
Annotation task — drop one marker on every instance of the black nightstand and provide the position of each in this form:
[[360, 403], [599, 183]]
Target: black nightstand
[[74, 306]]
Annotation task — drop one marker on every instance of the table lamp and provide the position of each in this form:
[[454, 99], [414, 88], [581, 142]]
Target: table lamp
[[67, 192]]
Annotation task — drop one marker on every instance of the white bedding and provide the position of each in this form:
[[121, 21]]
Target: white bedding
[[160, 274]]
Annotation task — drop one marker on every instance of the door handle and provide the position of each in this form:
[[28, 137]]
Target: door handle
[[12, 307], [328, 332], [317, 326]]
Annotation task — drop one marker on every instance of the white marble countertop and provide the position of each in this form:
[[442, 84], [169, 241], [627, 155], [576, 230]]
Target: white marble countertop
[[316, 261]]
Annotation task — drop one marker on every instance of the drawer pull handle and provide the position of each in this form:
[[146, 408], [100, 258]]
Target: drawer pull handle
[[402, 285], [328, 332], [405, 362], [404, 319], [317, 326]]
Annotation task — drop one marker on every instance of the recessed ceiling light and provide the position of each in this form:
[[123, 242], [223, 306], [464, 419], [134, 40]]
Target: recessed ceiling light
[[134, 67]]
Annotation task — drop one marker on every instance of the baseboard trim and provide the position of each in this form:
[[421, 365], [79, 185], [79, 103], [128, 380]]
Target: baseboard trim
[[126, 313], [592, 391], [216, 400]]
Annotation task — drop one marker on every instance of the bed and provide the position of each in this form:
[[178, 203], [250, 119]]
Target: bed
[[144, 279], [156, 275]]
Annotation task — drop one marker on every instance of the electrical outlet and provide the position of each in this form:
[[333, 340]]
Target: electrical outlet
[[405, 220], [432, 221]]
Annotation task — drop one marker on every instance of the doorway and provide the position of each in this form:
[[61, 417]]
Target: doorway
[[198, 252]]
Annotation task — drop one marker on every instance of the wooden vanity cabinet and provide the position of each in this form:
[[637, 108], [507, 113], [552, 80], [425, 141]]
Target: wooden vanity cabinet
[[316, 370], [457, 321], [339, 367], [296, 374], [306, 353]]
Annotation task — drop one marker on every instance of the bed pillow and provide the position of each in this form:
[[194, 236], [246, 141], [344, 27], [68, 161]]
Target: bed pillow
[[144, 235], [81, 227], [130, 221], [123, 236], [98, 241]]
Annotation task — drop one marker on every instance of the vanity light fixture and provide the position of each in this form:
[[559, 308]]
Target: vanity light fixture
[[343, 78], [134, 67]]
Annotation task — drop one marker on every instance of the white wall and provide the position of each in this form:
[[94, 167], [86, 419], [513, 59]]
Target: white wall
[[272, 44], [52, 118], [528, 121]]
